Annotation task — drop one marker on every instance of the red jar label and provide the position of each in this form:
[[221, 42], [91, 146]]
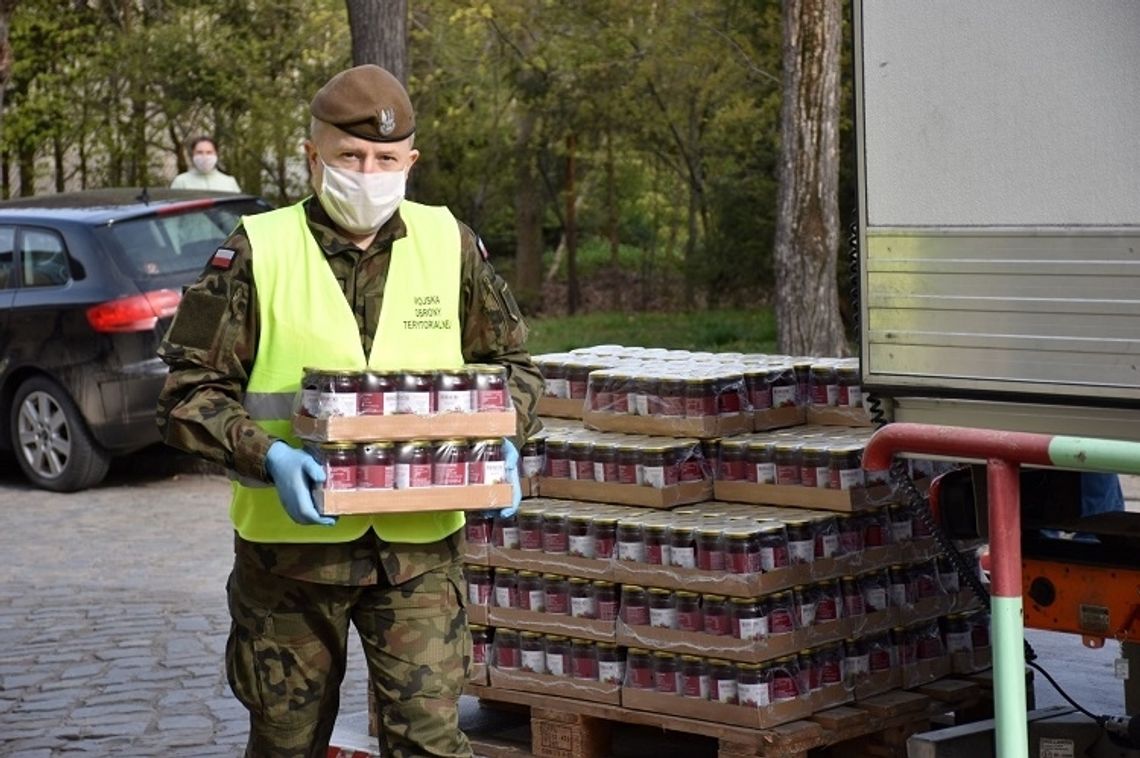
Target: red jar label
[[853, 604], [807, 476], [717, 624], [452, 474], [665, 681], [690, 621], [772, 558], [508, 657], [559, 468], [376, 403], [340, 478], [558, 602], [491, 400], [585, 667], [479, 593], [608, 611], [627, 473], [784, 687], [787, 474], [382, 477], [555, 542], [478, 531], [879, 659], [830, 672], [695, 686], [641, 677], [479, 652], [634, 615], [781, 621], [604, 547], [709, 559], [582, 471], [530, 539]]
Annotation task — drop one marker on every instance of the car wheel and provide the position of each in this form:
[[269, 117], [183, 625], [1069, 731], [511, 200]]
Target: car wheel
[[51, 440]]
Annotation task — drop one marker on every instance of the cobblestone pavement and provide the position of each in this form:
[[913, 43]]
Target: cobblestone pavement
[[113, 619]]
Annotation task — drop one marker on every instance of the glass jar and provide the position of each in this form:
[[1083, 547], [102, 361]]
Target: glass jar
[[689, 616], [532, 458], [948, 576], [722, 681], [454, 391], [787, 455], [449, 463], [416, 393], [749, 619], [683, 547], [694, 677], [902, 526], [824, 383], [759, 390], [665, 672], [905, 647], [662, 608], [606, 596], [850, 534], [533, 648], [753, 685], [634, 605], [690, 462], [924, 576], [657, 467], [639, 665], [611, 665], [700, 398], [508, 649], [815, 462], [414, 465], [629, 464], [558, 657], [326, 394], [781, 613], [580, 536], [532, 594], [731, 465], [630, 541], [530, 530], [584, 655], [578, 380], [876, 528], [853, 604], [856, 660], [760, 459], [581, 460], [599, 391], [478, 527], [880, 655], [656, 538], [648, 395], [803, 380], [556, 598], [782, 380], [710, 549], [377, 393], [806, 600], [480, 641], [903, 589], [808, 673], [845, 464], [557, 459], [605, 537], [731, 395], [479, 585], [801, 541], [826, 532], [828, 601], [672, 398], [555, 533], [979, 629], [928, 641], [850, 392], [742, 551], [486, 464], [716, 616], [583, 600], [491, 393], [772, 539], [959, 638], [605, 458], [340, 461], [376, 466], [785, 679], [876, 590], [506, 588], [554, 379]]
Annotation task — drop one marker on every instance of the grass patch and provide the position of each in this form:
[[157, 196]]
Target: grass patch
[[716, 331]]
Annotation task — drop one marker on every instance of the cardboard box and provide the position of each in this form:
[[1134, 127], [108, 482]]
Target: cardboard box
[[405, 426], [529, 486], [705, 710], [561, 686], [869, 685], [778, 418], [550, 563], [831, 416], [478, 614], [476, 554], [669, 426], [973, 661], [808, 497], [922, 672], [479, 673], [627, 494], [730, 648], [560, 407], [831, 696], [551, 623], [472, 497]]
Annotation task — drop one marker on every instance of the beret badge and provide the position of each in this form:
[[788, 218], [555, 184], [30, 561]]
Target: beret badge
[[386, 121]]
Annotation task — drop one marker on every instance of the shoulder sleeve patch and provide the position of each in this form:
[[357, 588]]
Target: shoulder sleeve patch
[[223, 258]]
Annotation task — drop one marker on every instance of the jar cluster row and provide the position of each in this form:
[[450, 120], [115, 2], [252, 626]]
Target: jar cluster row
[[753, 618], [471, 389], [405, 465], [718, 680], [654, 462], [733, 545]]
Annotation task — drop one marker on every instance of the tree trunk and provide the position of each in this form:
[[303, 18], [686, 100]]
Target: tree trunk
[[528, 216], [380, 34], [6, 8], [27, 159], [807, 224], [572, 294], [60, 168]]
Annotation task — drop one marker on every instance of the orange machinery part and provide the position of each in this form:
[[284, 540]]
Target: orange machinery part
[[1096, 602]]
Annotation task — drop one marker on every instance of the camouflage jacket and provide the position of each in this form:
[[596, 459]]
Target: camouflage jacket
[[212, 344]]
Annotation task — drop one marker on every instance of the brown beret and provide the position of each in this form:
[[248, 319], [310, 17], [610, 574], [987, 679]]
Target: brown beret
[[367, 102]]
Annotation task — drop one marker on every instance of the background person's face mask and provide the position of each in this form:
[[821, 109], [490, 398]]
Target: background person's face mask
[[360, 203], [204, 163]]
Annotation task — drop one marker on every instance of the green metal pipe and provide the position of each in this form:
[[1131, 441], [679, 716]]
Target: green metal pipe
[[1011, 730], [1095, 454]]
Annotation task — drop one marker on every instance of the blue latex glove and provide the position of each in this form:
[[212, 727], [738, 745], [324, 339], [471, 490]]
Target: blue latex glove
[[294, 473], [511, 459]]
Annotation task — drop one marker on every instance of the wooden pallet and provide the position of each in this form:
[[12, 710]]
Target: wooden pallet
[[876, 726]]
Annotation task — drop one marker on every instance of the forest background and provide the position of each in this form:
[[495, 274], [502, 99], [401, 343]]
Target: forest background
[[616, 156]]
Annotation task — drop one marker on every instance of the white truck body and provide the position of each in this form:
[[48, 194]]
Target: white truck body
[[999, 198]]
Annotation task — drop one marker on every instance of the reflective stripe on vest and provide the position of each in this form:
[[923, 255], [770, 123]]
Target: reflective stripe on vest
[[306, 321]]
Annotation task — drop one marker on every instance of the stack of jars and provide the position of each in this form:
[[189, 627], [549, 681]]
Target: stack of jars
[[470, 389], [667, 392], [833, 461], [754, 685], [553, 594], [413, 464], [557, 655], [624, 459], [834, 382]]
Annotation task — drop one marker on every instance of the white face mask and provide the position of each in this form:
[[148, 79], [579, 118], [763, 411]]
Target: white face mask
[[204, 162], [361, 203]]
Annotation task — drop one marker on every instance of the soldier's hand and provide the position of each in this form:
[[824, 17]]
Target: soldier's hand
[[294, 473], [511, 461]]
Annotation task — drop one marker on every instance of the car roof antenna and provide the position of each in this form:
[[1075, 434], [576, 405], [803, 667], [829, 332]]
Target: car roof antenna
[[143, 197]]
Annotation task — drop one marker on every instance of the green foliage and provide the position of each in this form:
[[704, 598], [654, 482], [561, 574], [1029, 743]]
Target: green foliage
[[746, 331]]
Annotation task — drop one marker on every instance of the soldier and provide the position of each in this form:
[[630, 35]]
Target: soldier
[[204, 173], [327, 282]]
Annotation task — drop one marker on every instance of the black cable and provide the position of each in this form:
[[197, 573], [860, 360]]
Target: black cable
[[1037, 667]]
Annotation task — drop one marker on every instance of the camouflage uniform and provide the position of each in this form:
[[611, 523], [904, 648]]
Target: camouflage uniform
[[291, 603]]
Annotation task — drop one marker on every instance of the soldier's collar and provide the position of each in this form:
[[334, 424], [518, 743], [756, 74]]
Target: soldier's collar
[[332, 242]]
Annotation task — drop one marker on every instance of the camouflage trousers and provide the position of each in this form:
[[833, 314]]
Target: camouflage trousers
[[287, 651]]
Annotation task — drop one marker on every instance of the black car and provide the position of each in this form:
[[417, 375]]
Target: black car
[[89, 282]]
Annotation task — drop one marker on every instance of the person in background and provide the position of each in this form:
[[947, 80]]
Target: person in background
[[204, 173], [352, 276]]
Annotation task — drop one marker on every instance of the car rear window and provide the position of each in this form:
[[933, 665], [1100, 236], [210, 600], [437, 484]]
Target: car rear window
[[176, 241]]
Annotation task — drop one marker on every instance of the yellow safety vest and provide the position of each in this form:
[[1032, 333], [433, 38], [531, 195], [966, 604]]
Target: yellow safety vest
[[306, 321]]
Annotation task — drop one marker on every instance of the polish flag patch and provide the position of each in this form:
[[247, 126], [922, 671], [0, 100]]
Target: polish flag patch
[[223, 258]]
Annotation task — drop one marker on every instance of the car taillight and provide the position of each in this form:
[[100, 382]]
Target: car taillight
[[138, 313]]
